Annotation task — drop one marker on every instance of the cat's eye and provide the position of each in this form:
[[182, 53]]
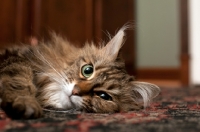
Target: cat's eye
[[87, 70], [104, 95]]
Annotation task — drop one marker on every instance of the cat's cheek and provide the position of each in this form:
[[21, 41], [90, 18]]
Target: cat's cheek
[[97, 105], [104, 106], [130, 106], [86, 104]]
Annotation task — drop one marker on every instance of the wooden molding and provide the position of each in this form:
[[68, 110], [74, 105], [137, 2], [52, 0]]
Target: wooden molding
[[21, 20], [184, 43], [97, 27], [158, 73], [184, 74], [35, 17], [89, 20]]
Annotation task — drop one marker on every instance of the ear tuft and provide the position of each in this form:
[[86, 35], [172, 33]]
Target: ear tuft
[[114, 45], [146, 90]]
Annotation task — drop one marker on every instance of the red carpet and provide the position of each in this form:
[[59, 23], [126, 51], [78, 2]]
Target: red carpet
[[173, 110]]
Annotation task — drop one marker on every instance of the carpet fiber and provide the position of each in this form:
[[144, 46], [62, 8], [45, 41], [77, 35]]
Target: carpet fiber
[[175, 110]]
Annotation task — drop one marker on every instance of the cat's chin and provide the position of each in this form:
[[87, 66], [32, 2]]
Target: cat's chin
[[54, 112], [60, 109], [73, 103], [76, 101]]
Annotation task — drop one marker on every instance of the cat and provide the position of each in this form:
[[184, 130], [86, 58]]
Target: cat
[[56, 74]]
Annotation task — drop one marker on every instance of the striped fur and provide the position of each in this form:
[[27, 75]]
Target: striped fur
[[49, 75]]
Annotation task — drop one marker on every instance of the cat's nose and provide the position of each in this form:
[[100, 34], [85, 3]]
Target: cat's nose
[[76, 90]]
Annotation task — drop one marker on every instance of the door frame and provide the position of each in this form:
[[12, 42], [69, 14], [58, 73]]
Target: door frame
[[180, 73], [184, 43]]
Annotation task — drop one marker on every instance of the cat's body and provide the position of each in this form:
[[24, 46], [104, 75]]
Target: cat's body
[[59, 75]]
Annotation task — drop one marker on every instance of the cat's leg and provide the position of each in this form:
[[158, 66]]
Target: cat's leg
[[17, 92]]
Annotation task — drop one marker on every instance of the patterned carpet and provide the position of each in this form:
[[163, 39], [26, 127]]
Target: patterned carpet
[[175, 110]]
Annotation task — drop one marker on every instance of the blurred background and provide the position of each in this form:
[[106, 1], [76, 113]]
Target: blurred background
[[162, 48]]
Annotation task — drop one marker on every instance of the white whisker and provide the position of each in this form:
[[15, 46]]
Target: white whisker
[[48, 63], [45, 61], [62, 80]]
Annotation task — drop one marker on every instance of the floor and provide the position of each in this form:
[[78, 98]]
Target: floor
[[174, 110]]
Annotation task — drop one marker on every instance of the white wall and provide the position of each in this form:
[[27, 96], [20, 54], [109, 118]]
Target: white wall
[[194, 27], [157, 33]]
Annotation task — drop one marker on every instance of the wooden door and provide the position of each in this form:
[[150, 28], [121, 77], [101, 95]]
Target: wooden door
[[86, 20], [77, 20], [14, 21]]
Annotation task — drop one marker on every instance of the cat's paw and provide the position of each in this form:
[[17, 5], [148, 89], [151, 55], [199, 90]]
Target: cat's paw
[[22, 108]]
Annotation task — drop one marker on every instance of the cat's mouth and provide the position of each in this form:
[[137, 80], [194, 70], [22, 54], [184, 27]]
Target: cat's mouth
[[71, 105], [68, 99], [76, 101]]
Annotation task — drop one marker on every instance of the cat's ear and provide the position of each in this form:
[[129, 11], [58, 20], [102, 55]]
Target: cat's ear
[[113, 46], [144, 92]]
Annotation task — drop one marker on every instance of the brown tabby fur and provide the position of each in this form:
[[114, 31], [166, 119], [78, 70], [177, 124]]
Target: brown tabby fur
[[36, 77]]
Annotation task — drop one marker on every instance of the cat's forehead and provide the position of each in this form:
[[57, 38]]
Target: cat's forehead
[[94, 52], [95, 59]]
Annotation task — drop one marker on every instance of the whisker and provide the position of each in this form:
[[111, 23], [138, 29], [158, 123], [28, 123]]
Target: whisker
[[49, 64]]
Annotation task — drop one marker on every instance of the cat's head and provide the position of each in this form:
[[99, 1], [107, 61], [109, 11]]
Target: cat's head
[[98, 82], [104, 85]]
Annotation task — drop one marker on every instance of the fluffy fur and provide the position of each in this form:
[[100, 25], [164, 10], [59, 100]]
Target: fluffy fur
[[50, 75]]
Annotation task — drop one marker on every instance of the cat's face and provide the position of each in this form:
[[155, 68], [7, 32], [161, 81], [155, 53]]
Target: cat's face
[[104, 86], [97, 82]]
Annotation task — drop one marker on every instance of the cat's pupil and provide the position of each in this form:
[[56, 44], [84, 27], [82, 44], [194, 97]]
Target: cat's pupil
[[87, 70], [104, 95]]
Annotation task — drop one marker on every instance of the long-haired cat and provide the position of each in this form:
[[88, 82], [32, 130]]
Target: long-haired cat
[[59, 75]]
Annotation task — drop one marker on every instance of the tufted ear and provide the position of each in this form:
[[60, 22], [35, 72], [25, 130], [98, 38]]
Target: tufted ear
[[144, 92], [114, 45]]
